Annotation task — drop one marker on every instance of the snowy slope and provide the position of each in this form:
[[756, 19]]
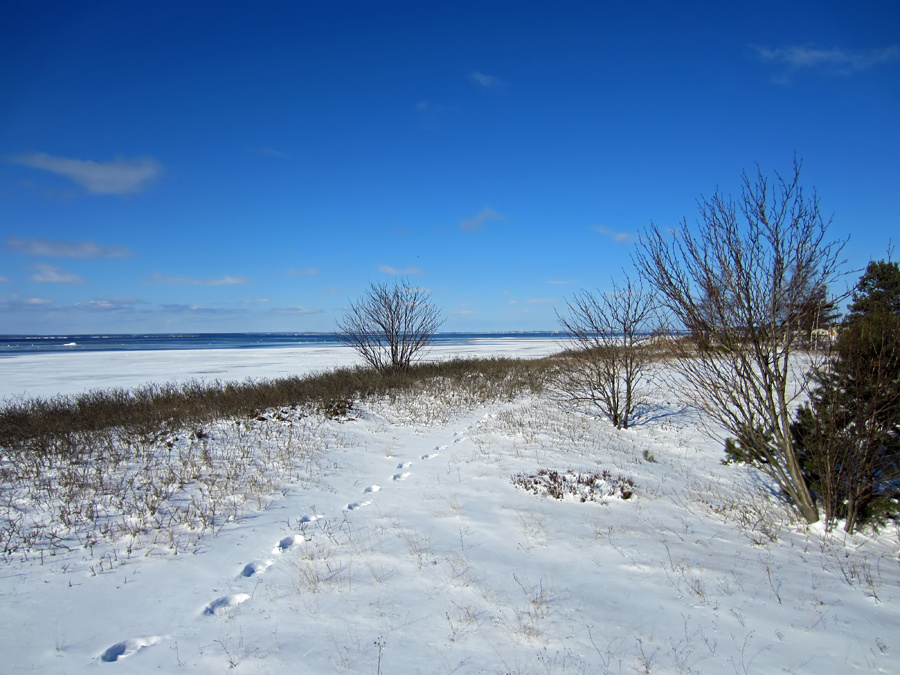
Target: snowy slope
[[405, 547]]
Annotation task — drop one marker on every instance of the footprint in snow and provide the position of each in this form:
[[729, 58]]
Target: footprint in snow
[[225, 603], [401, 476], [311, 518], [256, 567], [357, 505], [287, 542], [404, 465], [434, 453], [372, 488], [128, 647]]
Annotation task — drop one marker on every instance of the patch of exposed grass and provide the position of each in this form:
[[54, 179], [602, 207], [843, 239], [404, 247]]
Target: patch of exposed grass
[[160, 465], [46, 425]]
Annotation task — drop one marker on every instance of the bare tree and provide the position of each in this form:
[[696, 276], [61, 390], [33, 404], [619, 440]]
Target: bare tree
[[609, 368], [390, 325], [743, 281]]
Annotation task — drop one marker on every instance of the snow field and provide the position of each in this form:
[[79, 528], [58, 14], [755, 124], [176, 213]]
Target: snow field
[[454, 569]]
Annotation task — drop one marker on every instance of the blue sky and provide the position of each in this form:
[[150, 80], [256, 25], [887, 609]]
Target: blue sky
[[221, 166]]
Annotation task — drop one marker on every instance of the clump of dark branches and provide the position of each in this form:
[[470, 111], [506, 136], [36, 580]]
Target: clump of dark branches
[[591, 486]]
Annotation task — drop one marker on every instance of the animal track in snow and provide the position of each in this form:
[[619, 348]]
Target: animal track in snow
[[128, 647], [256, 567], [287, 542], [372, 488], [225, 603], [401, 476], [404, 465], [357, 505], [311, 518], [435, 452]]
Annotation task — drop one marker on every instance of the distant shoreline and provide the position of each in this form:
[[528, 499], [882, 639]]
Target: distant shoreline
[[72, 371], [113, 342]]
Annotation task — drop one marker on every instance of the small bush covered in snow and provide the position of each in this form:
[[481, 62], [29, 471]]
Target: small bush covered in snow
[[585, 487]]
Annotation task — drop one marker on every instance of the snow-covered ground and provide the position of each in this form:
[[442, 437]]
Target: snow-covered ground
[[400, 543]]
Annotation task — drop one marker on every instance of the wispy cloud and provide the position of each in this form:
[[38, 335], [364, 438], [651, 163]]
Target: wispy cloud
[[198, 310], [835, 61], [188, 281], [65, 249], [387, 269], [298, 311], [118, 177], [308, 272], [541, 301], [559, 282], [621, 237], [476, 222], [5, 280], [51, 274], [110, 304], [13, 303], [270, 152], [486, 81]]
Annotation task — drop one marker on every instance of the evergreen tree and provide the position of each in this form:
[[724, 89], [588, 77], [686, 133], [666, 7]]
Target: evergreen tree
[[849, 433]]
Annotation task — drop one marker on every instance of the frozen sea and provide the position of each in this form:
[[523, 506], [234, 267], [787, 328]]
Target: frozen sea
[[47, 366]]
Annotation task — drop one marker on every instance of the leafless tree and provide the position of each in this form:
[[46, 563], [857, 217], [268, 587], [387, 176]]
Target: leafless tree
[[742, 282], [609, 367], [390, 325]]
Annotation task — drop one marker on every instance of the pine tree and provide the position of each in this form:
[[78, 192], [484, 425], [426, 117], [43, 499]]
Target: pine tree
[[849, 433]]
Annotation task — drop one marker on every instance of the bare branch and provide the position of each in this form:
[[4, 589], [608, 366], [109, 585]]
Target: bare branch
[[743, 287], [390, 325], [609, 368]]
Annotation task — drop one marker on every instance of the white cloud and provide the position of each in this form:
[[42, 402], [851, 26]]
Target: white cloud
[[387, 269], [201, 311], [51, 274], [270, 152], [840, 61], [299, 311], [476, 222], [119, 177], [486, 81], [65, 249], [13, 303], [108, 304], [541, 301], [188, 281], [621, 237]]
